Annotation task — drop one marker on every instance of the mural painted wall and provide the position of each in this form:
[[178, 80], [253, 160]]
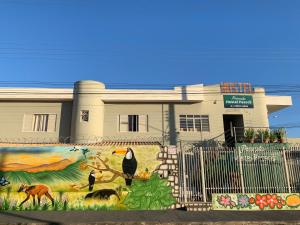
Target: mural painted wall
[[82, 178], [279, 201]]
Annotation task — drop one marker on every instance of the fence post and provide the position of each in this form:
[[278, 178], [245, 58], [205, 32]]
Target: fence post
[[235, 139], [184, 173], [202, 174], [241, 170], [287, 174]]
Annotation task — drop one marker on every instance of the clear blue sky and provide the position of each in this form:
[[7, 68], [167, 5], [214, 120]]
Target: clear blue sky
[[169, 42]]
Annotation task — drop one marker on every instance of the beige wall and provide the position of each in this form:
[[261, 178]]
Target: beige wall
[[213, 105], [12, 114], [87, 97], [162, 116], [294, 140], [111, 119]]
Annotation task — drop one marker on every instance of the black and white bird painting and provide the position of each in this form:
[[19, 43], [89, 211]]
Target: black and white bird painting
[[129, 164], [92, 179]]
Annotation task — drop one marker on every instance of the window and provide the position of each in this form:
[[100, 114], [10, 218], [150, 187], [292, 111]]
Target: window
[[39, 122], [194, 123], [133, 123], [84, 115]]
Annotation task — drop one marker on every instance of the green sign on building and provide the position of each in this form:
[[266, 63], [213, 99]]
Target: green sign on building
[[238, 101]]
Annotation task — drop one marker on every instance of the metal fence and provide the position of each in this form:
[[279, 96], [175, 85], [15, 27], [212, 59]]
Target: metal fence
[[207, 170], [87, 140]]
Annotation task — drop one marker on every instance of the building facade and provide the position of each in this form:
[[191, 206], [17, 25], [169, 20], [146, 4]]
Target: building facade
[[91, 113]]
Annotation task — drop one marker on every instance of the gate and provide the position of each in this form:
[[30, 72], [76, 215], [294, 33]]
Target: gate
[[207, 170]]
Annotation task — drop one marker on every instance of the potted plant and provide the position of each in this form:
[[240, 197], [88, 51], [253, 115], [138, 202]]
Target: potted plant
[[249, 135], [266, 136], [260, 136], [263, 136], [272, 136], [280, 134]]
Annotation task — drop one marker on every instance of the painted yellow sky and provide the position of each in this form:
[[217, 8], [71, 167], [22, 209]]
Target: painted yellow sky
[[34, 159]]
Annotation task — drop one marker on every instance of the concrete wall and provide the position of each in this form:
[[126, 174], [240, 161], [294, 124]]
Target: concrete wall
[[163, 121], [70, 180], [164, 118], [87, 97], [12, 116], [294, 140], [213, 105], [155, 118]]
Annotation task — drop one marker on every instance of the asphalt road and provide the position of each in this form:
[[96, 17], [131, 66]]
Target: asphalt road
[[150, 217]]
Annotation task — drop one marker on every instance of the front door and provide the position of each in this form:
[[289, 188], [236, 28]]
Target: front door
[[233, 128]]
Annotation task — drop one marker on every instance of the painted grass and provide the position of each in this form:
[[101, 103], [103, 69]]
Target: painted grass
[[63, 202], [70, 173]]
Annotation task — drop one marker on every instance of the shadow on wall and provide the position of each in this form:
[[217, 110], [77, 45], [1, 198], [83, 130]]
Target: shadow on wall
[[184, 93], [172, 118], [172, 125], [65, 122]]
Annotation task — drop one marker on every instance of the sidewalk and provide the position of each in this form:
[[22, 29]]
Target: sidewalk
[[150, 217]]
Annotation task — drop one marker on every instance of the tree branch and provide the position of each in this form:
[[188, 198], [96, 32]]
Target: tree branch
[[115, 173]]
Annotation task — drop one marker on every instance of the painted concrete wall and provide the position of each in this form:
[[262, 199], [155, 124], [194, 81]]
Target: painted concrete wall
[[256, 201], [104, 177], [12, 118]]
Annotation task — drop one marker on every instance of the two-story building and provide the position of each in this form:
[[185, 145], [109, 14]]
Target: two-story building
[[89, 112]]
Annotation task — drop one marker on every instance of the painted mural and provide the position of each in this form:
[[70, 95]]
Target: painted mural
[[279, 201], [82, 178]]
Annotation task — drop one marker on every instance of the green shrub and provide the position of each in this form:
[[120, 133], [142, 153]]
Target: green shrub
[[249, 135], [263, 135], [273, 137], [280, 134], [153, 194]]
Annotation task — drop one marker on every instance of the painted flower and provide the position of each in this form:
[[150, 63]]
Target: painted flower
[[251, 200], [43, 202], [26, 205], [272, 200], [12, 204], [232, 204], [243, 201], [261, 201], [225, 200], [65, 198]]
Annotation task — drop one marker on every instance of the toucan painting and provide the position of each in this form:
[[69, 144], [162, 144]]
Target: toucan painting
[[129, 163]]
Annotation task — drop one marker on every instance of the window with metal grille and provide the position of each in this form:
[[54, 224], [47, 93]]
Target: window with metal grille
[[194, 123], [133, 123], [84, 115], [39, 122]]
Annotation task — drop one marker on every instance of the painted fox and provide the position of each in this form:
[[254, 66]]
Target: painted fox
[[34, 190]]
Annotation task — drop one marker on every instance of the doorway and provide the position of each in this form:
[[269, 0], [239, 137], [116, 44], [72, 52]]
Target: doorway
[[232, 135]]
